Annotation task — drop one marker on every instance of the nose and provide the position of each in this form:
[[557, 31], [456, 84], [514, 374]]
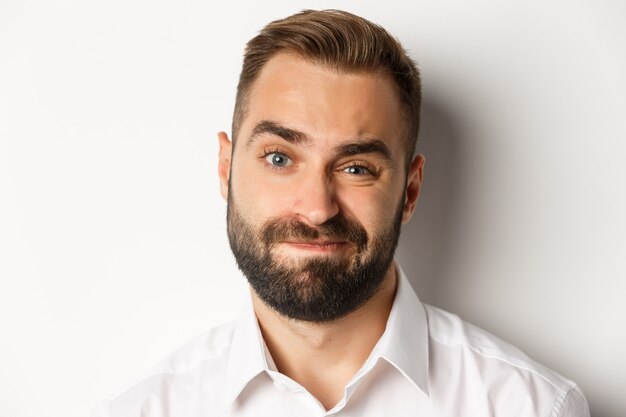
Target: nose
[[316, 201]]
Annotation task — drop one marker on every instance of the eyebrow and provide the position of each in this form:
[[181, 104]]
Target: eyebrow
[[267, 126], [367, 146]]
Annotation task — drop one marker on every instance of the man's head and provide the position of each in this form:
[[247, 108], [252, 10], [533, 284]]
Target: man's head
[[320, 176], [339, 41]]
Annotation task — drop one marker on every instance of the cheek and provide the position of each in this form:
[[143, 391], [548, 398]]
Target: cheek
[[256, 196], [370, 206]]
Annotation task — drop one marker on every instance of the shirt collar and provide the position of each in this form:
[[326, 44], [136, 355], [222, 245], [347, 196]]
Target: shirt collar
[[404, 344], [246, 358]]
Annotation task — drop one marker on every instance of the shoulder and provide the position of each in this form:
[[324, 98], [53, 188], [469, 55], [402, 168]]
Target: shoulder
[[209, 346], [175, 380], [497, 369]]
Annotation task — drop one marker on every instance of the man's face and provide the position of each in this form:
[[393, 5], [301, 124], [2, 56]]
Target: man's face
[[317, 187]]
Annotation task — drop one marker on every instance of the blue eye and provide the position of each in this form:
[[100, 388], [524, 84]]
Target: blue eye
[[357, 170], [278, 160]]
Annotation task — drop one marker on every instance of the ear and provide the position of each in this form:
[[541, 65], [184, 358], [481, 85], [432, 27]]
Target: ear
[[223, 166], [413, 187]]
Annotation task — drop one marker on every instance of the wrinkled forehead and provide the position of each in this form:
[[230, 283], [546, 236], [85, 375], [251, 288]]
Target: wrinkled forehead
[[326, 104]]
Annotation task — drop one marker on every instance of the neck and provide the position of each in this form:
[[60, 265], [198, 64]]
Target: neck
[[323, 357]]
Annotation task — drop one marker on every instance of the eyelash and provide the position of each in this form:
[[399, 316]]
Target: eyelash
[[269, 151], [371, 170]]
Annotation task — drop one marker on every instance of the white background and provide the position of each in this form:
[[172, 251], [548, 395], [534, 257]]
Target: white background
[[112, 233]]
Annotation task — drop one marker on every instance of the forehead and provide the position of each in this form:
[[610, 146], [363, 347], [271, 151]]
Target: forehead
[[327, 105]]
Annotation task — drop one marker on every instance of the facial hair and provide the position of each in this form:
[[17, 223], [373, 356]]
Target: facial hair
[[321, 288]]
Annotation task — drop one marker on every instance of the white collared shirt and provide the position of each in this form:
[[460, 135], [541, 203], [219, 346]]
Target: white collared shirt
[[428, 363]]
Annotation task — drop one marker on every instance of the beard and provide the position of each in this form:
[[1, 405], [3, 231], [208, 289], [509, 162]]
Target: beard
[[318, 288]]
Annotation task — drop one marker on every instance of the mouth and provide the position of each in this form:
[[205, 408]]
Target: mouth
[[322, 246]]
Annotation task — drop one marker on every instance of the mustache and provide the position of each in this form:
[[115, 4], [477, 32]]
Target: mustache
[[337, 228]]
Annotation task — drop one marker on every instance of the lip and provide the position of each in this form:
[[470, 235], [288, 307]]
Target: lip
[[318, 246]]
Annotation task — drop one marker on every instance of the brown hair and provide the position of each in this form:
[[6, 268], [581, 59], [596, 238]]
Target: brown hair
[[341, 41]]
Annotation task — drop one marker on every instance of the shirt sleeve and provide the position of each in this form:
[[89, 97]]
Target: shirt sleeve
[[574, 405]]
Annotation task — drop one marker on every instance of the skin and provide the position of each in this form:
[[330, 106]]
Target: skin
[[319, 181]]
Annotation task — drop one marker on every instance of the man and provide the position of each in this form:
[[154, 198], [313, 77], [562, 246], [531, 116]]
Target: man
[[319, 176]]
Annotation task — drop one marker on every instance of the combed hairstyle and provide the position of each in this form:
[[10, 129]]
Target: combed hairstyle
[[340, 41]]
